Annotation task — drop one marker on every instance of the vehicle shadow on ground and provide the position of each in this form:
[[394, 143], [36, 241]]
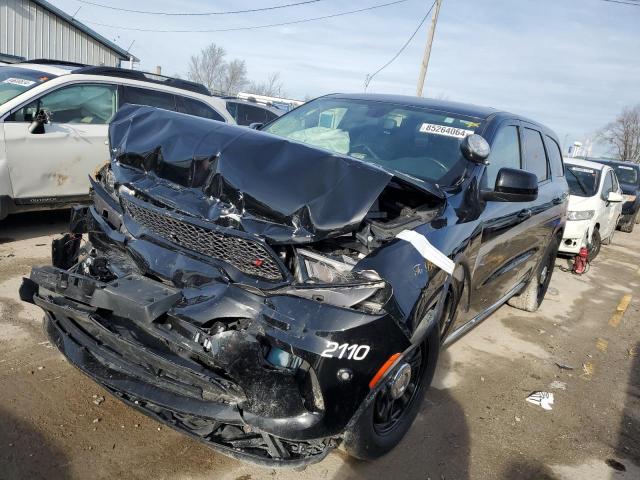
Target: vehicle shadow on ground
[[628, 444], [437, 446], [23, 226], [25, 453]]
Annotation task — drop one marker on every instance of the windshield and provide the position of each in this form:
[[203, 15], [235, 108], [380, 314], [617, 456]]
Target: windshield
[[626, 174], [583, 181], [415, 141], [15, 80]]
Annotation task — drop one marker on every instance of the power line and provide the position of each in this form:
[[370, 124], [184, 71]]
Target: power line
[[229, 12], [623, 3], [406, 44], [253, 27]]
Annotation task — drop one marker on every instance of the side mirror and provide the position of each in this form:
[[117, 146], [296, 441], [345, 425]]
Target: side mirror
[[256, 125], [614, 197], [39, 121], [475, 148], [513, 185]]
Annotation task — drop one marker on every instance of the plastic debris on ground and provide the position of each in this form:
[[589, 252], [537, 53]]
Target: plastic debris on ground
[[542, 399]]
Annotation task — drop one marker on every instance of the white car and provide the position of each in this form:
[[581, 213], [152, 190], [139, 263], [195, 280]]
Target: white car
[[595, 205], [54, 120]]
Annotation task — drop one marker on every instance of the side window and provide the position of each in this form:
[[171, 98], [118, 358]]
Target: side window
[[505, 152], [90, 104], [616, 185], [555, 157], [232, 108], [151, 98], [269, 116], [535, 159], [607, 185], [197, 108]]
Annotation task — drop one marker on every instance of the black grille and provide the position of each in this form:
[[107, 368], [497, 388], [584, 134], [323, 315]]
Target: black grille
[[248, 256]]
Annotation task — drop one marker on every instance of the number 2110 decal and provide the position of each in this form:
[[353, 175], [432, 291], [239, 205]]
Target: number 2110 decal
[[351, 352]]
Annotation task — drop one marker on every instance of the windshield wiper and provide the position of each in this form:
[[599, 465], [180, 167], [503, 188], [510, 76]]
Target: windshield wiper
[[580, 184]]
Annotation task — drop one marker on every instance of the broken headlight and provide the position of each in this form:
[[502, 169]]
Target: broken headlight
[[332, 280]]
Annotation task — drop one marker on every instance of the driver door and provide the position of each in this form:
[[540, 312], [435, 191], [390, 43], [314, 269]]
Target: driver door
[[57, 162]]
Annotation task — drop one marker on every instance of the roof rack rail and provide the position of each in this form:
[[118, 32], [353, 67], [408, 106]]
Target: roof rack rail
[[50, 61], [145, 77]]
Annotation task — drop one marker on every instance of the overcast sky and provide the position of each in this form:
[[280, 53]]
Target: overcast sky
[[570, 64]]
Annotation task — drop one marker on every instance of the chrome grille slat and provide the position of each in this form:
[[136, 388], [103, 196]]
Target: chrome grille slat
[[235, 250]]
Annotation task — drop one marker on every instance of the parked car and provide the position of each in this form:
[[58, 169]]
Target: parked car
[[595, 206], [245, 112], [276, 293], [629, 176], [54, 118]]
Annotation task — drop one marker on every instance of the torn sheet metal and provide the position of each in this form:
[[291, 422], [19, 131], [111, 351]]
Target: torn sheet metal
[[428, 251], [248, 180]]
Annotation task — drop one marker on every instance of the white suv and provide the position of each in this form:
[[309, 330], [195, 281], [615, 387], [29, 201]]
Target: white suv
[[54, 120]]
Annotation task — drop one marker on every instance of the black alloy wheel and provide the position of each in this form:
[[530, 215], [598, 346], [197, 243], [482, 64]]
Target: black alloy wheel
[[388, 411]]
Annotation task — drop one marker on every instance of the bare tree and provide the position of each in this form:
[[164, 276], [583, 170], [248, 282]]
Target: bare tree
[[208, 67], [235, 77], [623, 134], [272, 87]]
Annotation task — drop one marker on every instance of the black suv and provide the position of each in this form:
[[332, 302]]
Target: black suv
[[629, 177], [276, 293]]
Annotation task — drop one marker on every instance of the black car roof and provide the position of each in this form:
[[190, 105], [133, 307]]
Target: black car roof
[[608, 161], [465, 109]]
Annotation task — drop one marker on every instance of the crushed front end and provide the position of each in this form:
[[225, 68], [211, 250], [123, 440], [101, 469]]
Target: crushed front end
[[257, 334]]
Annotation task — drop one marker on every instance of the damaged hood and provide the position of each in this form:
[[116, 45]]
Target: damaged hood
[[241, 178]]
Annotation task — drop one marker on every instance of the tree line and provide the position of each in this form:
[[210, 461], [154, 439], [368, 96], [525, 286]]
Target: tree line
[[623, 135], [211, 68]]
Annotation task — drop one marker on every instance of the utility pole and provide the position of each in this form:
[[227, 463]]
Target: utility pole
[[427, 49]]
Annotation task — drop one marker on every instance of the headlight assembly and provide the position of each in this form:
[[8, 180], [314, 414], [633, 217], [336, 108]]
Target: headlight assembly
[[629, 198], [580, 215]]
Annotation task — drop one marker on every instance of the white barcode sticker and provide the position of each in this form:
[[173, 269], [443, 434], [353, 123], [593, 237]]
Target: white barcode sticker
[[445, 130], [19, 81]]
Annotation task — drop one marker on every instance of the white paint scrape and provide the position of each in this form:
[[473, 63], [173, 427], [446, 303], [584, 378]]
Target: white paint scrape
[[428, 251]]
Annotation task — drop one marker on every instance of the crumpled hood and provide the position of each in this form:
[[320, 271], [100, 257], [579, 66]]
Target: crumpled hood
[[241, 178]]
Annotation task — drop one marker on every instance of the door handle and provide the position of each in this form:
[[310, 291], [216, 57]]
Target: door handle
[[524, 214]]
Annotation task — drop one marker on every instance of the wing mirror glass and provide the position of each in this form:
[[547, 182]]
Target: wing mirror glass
[[475, 148], [39, 121], [614, 197], [513, 185]]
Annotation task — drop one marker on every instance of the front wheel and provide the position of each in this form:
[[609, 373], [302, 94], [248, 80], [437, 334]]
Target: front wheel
[[390, 414], [534, 291], [593, 247]]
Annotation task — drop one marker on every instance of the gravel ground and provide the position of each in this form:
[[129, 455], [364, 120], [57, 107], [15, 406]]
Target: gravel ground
[[474, 424]]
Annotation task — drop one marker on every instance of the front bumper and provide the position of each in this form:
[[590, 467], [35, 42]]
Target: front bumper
[[147, 337], [575, 236]]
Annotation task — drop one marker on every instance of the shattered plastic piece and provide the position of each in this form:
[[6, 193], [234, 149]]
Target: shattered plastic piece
[[542, 399], [564, 366], [428, 251], [587, 369], [558, 385]]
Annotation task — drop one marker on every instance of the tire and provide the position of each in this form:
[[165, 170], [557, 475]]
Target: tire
[[638, 217], [532, 295], [366, 439], [627, 227], [594, 246]]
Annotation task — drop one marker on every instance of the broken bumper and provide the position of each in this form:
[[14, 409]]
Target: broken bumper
[[145, 341]]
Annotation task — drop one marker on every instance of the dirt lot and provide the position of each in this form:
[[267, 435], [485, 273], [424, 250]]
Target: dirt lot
[[475, 423]]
